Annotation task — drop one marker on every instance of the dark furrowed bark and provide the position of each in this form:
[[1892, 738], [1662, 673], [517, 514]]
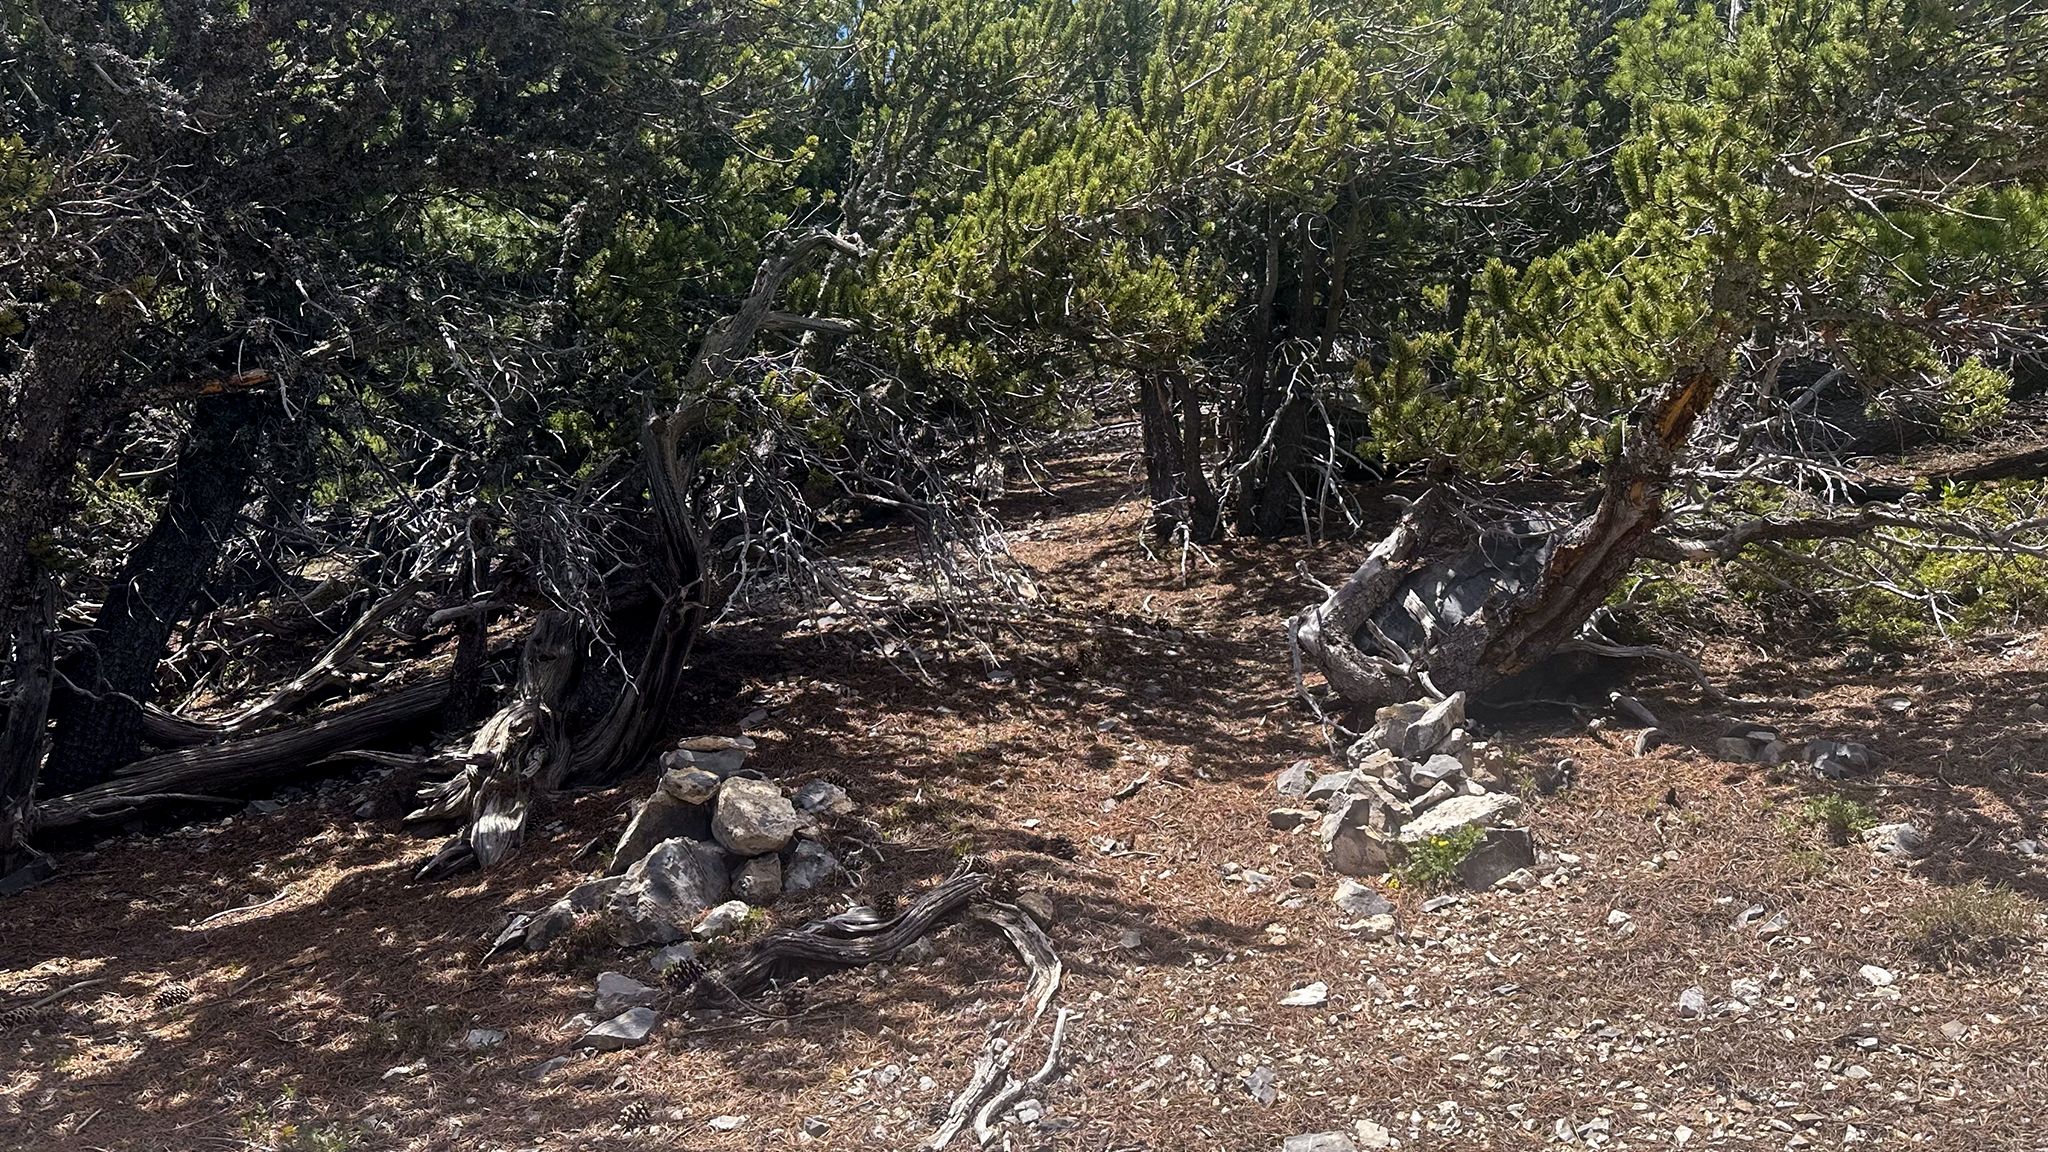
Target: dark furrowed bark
[[23, 737], [145, 603]]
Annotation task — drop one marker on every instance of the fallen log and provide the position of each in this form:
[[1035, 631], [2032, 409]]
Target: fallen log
[[242, 764]]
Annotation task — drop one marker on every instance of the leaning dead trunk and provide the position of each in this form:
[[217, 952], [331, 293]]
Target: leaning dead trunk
[[218, 772], [1425, 614], [521, 749]]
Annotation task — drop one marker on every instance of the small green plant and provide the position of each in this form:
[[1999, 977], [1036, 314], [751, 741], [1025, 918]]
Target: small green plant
[[1840, 816], [1433, 863], [591, 946], [1808, 864], [1971, 925]]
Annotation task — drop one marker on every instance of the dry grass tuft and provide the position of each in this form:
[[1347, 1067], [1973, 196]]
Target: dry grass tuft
[[1971, 925]]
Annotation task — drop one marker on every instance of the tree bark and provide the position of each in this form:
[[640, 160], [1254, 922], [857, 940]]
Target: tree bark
[[244, 763], [150, 597], [1170, 417], [522, 748], [473, 637], [1484, 607], [24, 736]]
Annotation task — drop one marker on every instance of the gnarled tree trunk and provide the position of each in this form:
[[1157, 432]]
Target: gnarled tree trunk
[[1481, 607], [22, 739], [158, 582], [522, 748]]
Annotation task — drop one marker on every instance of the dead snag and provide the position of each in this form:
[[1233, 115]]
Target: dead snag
[[628, 730], [523, 747], [1489, 603]]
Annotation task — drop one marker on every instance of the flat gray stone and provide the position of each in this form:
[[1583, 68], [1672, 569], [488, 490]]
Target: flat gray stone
[[1458, 812], [1355, 899], [1330, 784], [823, 796], [691, 785], [617, 992], [479, 1039], [628, 1029], [670, 956], [753, 817], [1735, 748], [719, 755], [1288, 819], [545, 1068]]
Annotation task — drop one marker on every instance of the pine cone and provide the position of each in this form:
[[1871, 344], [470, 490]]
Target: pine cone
[[635, 1114], [885, 904], [793, 1000], [24, 1015], [1062, 847], [683, 974], [170, 996]]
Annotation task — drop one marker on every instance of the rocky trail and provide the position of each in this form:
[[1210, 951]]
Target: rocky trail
[[1643, 921]]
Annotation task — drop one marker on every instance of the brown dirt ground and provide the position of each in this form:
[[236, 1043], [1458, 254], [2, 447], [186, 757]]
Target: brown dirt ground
[[331, 1018]]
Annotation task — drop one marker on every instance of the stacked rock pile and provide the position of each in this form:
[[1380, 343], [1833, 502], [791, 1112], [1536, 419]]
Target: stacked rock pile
[[713, 839], [1418, 774]]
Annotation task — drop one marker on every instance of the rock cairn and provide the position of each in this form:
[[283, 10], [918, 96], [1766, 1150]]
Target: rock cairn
[[713, 840], [1418, 774]]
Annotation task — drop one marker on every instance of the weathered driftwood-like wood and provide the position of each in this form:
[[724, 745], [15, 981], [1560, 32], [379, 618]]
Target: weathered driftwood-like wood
[[330, 670], [522, 748], [626, 733], [846, 941], [1489, 606], [245, 763]]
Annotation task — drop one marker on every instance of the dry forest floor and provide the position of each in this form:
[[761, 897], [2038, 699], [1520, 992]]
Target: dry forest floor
[[330, 1011]]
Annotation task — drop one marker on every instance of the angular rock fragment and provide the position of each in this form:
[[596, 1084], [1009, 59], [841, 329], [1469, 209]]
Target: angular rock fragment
[[1503, 852], [626, 1030], [1355, 899], [660, 817], [758, 880], [1490, 810], [617, 992], [810, 866], [1294, 779], [823, 796], [658, 898], [753, 817], [1431, 728]]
